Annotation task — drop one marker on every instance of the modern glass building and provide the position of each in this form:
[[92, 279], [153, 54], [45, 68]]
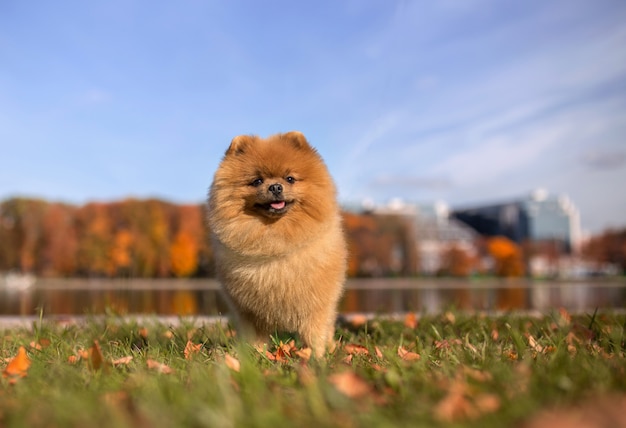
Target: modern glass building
[[538, 217]]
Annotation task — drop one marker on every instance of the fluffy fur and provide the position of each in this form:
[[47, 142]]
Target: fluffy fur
[[279, 245]]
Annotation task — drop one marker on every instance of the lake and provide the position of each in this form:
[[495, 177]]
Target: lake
[[68, 297]]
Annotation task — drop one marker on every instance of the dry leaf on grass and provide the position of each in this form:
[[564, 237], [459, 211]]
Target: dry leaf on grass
[[304, 353], [191, 349], [159, 367], [232, 362], [378, 352], [407, 355], [17, 367], [96, 360], [462, 402], [410, 320], [350, 384], [124, 361], [358, 320], [353, 348]]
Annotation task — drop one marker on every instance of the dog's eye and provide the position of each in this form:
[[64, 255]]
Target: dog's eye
[[257, 182], [290, 180]]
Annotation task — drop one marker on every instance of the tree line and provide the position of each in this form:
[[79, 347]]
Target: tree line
[[156, 239]]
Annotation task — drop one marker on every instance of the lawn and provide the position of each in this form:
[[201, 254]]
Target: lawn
[[452, 369]]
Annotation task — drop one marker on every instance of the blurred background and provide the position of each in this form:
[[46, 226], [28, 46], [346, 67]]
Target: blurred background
[[471, 142]]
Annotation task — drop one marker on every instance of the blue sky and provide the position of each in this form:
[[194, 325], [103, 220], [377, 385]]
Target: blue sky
[[462, 101]]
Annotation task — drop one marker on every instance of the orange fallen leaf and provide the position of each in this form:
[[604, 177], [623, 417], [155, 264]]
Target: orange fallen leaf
[[73, 359], [533, 344], [18, 366], [304, 353], [358, 320], [407, 355], [447, 343], [494, 334], [283, 352], [124, 361], [159, 367], [410, 320], [191, 349], [350, 384], [143, 332], [353, 348], [96, 360], [232, 362], [379, 353], [566, 318]]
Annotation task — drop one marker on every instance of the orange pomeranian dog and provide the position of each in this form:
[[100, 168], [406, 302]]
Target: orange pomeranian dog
[[279, 245]]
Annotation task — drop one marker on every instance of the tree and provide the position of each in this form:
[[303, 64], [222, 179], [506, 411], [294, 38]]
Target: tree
[[456, 262], [184, 255], [506, 255]]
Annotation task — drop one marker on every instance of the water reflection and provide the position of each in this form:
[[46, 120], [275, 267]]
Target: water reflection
[[202, 297]]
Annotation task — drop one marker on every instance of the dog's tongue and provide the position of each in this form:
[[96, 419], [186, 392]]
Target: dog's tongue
[[278, 205]]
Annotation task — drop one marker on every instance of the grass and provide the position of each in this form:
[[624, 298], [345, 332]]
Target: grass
[[453, 369]]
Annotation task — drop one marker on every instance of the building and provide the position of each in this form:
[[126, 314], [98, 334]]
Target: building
[[538, 217], [435, 232]]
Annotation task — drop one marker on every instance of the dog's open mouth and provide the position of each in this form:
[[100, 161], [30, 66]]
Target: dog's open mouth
[[274, 207]]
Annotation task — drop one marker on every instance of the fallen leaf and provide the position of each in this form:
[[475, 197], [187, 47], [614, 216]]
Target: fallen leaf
[[353, 348], [73, 359], [143, 332], [18, 366], [533, 344], [96, 360], [447, 343], [350, 384], [159, 367], [379, 354], [124, 361], [283, 351], [407, 355], [566, 318], [450, 317], [410, 320], [487, 403], [191, 349], [304, 353], [232, 363], [455, 405], [358, 320]]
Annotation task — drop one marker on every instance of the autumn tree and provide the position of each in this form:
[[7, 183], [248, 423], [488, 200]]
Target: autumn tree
[[456, 262], [607, 247], [60, 244], [190, 240], [506, 255], [94, 239]]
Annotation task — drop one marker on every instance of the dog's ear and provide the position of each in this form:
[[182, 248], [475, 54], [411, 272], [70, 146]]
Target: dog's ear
[[297, 139], [240, 144]]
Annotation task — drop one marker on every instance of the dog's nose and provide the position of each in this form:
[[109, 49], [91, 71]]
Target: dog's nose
[[276, 189]]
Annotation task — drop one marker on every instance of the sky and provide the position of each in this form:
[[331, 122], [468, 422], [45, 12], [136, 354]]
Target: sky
[[462, 101]]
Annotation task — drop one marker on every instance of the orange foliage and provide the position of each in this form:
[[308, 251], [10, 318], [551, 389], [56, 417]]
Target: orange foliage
[[183, 255], [18, 366], [456, 262], [507, 256], [120, 253]]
